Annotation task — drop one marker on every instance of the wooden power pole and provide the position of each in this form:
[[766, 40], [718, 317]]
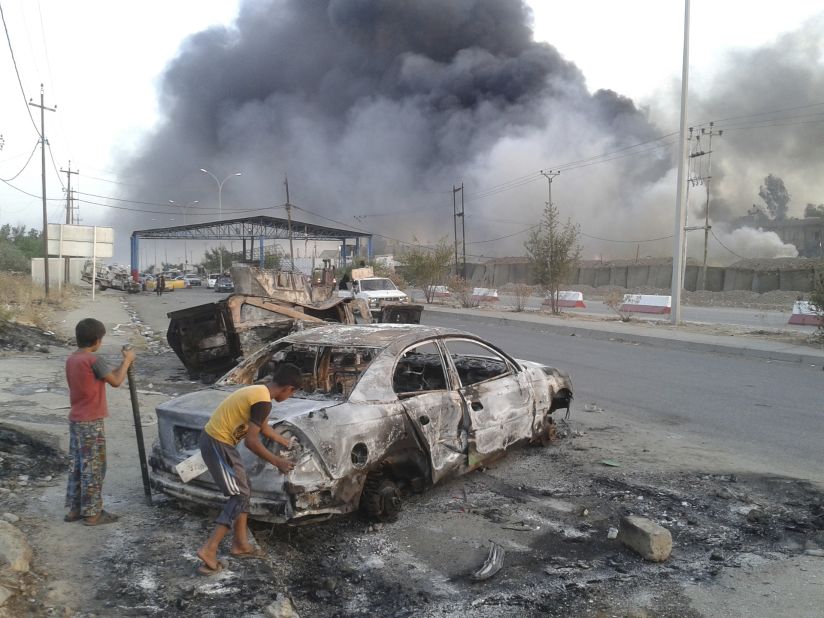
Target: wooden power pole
[[43, 109]]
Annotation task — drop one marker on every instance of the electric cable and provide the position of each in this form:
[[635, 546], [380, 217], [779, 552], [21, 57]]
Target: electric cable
[[25, 165], [17, 71]]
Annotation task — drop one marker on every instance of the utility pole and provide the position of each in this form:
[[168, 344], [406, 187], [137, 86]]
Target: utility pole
[[43, 109], [289, 220], [69, 212], [707, 178], [463, 233], [680, 193], [455, 223], [550, 175], [69, 196]]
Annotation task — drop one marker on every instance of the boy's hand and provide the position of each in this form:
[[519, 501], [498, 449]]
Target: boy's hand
[[292, 443], [128, 355], [285, 466]]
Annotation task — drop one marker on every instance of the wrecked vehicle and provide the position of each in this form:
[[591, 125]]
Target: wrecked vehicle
[[383, 409], [209, 338], [105, 276]]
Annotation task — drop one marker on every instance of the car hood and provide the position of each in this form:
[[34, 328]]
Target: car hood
[[384, 293]]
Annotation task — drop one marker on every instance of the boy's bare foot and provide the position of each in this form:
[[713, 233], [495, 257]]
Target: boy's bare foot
[[246, 551], [103, 517], [208, 557]]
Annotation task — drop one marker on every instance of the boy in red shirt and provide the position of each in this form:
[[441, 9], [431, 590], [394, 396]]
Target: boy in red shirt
[[87, 376]]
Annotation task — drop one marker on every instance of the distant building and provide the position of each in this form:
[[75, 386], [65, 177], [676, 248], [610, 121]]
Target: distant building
[[807, 235]]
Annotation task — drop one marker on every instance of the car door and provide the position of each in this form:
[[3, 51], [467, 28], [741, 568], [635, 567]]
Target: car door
[[434, 406], [496, 394]]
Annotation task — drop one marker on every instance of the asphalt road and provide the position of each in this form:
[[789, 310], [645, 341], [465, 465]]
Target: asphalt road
[[767, 411]]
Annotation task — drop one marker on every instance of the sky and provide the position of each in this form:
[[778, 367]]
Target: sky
[[100, 63]]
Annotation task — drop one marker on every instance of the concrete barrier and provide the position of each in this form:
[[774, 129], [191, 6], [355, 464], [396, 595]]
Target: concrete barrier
[[804, 313], [566, 299], [484, 295], [646, 303]]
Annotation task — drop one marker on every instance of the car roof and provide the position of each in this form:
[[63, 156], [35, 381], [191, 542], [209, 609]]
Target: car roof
[[370, 335]]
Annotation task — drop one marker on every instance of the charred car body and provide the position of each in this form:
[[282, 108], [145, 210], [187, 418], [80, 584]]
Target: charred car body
[[383, 408]]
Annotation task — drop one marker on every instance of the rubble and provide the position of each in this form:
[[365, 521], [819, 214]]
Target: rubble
[[282, 607], [646, 538], [14, 549], [494, 562]]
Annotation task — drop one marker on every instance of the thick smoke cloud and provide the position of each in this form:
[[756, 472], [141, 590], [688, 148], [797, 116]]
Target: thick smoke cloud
[[378, 106]]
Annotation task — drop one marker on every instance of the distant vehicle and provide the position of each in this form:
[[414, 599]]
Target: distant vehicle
[[224, 284], [376, 291], [193, 280], [211, 279]]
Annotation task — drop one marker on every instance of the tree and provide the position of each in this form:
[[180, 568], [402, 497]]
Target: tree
[[553, 251], [211, 259], [11, 258], [814, 211], [272, 261], [427, 267], [775, 196], [817, 300]]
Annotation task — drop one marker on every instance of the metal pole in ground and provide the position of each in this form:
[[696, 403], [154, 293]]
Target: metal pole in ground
[[138, 430]]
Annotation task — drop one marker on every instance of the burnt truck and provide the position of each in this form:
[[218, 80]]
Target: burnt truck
[[267, 305], [105, 276]]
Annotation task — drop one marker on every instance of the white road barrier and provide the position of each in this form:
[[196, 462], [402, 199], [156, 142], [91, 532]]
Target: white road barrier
[[647, 303], [567, 299], [484, 295], [804, 313]]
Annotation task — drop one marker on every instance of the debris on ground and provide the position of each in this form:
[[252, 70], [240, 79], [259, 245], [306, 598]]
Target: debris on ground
[[646, 538], [493, 563]]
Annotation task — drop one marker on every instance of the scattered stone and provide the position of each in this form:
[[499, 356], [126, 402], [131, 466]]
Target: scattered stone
[[10, 517], [612, 533], [282, 607], [757, 516], [814, 552], [646, 538], [717, 556], [330, 583], [14, 549], [5, 595], [23, 478]]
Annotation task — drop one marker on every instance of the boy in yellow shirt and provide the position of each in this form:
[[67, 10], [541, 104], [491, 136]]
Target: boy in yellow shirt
[[242, 416]]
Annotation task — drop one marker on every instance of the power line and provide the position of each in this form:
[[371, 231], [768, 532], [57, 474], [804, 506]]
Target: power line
[[626, 241], [725, 246], [17, 71], [54, 165], [25, 165]]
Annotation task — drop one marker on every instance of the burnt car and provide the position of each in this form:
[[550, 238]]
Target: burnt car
[[385, 408]]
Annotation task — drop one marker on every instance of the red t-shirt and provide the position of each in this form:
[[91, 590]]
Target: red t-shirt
[[87, 389]]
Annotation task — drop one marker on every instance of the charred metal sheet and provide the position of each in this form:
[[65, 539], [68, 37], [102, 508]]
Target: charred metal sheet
[[400, 313]]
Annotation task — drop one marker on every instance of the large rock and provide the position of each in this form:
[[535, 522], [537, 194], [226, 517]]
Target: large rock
[[282, 607], [5, 595], [646, 538], [14, 549]]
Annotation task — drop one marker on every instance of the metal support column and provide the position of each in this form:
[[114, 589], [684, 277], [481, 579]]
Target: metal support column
[[260, 246]]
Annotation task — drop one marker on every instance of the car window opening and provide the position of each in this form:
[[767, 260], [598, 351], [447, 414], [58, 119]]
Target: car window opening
[[328, 371], [475, 363], [419, 369], [376, 285]]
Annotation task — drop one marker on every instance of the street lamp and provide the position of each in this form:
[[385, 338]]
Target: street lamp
[[183, 210], [220, 202]]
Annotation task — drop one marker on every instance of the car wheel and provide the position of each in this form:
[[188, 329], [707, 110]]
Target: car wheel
[[381, 498], [548, 432]]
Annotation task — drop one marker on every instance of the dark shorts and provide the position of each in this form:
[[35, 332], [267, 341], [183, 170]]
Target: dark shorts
[[229, 474]]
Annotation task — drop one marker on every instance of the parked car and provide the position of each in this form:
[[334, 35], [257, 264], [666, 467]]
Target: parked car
[[211, 279], [193, 280], [384, 408], [224, 284]]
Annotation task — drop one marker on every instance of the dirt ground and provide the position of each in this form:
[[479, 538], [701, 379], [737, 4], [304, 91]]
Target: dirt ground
[[740, 534]]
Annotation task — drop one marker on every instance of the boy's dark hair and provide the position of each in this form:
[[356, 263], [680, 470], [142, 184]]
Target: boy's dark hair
[[287, 374], [88, 331]]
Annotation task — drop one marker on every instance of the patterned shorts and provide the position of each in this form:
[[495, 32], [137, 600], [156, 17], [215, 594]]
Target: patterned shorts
[[87, 467]]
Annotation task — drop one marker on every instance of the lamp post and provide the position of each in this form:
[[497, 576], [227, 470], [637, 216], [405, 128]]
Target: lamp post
[[183, 210], [220, 202]]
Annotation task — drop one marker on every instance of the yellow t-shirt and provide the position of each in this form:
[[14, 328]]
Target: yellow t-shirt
[[230, 422]]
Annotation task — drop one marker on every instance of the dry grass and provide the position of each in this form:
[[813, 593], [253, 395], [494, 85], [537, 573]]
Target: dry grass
[[25, 302]]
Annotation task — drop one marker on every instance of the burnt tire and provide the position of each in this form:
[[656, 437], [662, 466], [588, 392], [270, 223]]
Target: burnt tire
[[381, 499]]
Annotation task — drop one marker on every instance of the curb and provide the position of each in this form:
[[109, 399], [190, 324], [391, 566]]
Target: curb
[[794, 355]]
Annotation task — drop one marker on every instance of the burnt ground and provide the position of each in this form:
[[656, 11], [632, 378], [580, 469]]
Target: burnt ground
[[559, 560]]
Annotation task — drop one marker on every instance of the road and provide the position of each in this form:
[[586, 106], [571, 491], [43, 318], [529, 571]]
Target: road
[[768, 411], [733, 316]]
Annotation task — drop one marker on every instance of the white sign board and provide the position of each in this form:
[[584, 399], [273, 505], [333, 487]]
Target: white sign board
[[80, 241]]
